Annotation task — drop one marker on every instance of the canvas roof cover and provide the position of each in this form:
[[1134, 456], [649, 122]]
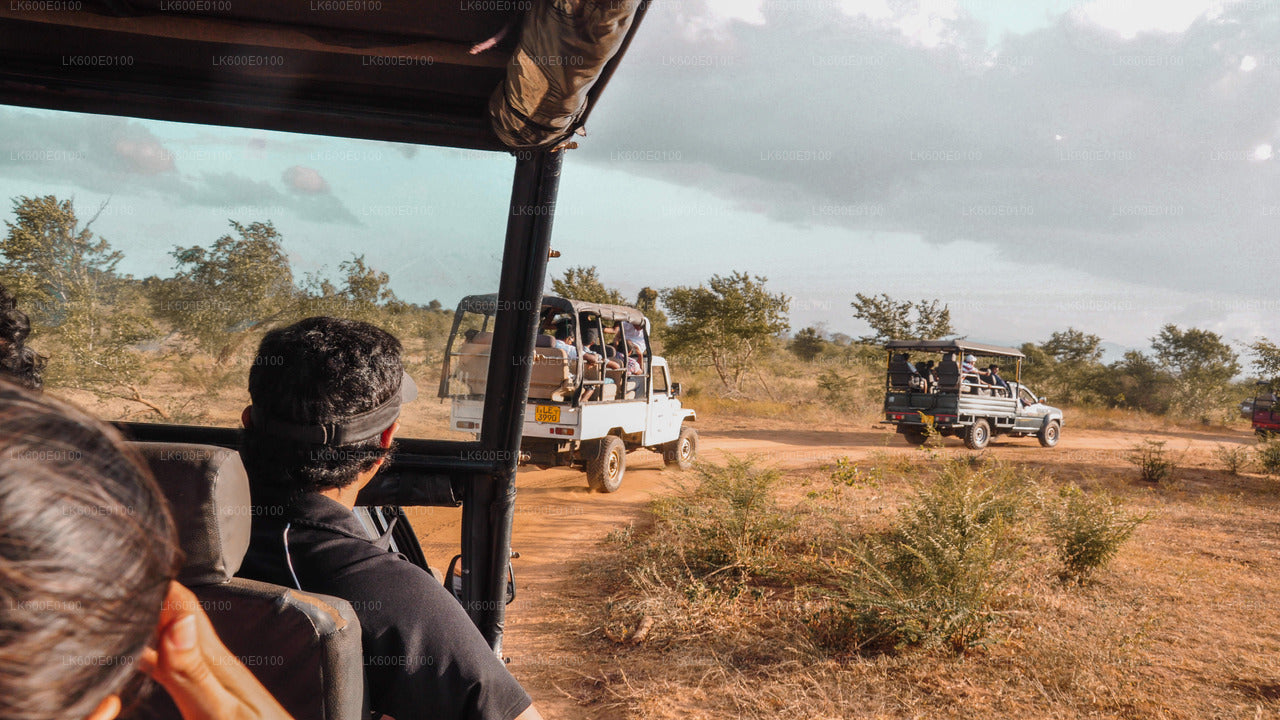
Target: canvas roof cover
[[488, 305], [953, 345], [396, 70]]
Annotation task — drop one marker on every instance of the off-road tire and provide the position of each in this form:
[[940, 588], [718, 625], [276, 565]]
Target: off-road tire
[[682, 451], [606, 462], [915, 437], [977, 435], [1049, 434]]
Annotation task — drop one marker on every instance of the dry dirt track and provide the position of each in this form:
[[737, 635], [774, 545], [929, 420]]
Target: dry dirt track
[[558, 519]]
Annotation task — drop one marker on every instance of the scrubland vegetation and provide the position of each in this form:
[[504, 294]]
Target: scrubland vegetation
[[914, 583]]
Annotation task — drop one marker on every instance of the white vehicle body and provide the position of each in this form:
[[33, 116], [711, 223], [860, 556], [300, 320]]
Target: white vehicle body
[[584, 404]]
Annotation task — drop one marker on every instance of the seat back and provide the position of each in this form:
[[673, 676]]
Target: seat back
[[899, 374], [948, 373], [471, 364], [550, 377], [304, 648]]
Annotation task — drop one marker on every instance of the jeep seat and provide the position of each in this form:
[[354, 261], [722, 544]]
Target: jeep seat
[[304, 648], [550, 377]]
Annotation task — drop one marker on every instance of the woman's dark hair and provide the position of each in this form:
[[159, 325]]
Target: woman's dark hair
[[18, 362], [87, 550], [319, 370]]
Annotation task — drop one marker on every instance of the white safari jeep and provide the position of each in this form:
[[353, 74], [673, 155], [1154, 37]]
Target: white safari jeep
[[587, 404]]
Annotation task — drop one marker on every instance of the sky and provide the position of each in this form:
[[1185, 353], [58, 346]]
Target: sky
[[1106, 165]]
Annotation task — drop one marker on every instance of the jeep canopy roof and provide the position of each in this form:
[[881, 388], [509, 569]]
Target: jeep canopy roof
[[488, 305], [396, 70], [956, 346]]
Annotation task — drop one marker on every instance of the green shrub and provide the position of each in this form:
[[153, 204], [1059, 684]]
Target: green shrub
[[727, 524], [935, 578], [1269, 456], [1088, 530], [1153, 461], [848, 473], [1234, 458]]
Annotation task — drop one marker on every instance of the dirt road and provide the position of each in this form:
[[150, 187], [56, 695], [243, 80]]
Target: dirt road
[[558, 519]]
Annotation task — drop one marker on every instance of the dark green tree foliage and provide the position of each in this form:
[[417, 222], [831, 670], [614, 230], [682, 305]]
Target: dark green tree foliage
[[901, 320], [647, 303], [1266, 362], [88, 315], [583, 283], [219, 295], [1202, 366], [1067, 367], [808, 344], [725, 322]]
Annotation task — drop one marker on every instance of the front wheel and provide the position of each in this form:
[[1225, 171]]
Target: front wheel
[[606, 461], [682, 451], [977, 435], [1048, 435]]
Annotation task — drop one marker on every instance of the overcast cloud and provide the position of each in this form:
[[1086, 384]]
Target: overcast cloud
[[1105, 148]]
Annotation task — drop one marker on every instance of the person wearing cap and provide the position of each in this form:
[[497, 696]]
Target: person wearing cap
[[326, 397]]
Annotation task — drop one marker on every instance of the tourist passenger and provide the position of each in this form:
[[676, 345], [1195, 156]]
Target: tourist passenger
[[87, 562], [321, 425], [993, 377], [18, 363]]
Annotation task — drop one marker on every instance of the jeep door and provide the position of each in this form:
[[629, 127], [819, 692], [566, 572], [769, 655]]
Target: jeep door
[[664, 423], [1030, 412]]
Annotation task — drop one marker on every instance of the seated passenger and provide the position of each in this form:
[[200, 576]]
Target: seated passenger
[[87, 564], [635, 359], [926, 371], [968, 367], [635, 336], [320, 427], [18, 362], [992, 375]]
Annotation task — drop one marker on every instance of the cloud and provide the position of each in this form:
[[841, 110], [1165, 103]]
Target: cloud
[[144, 155], [1138, 159], [122, 157], [305, 180]]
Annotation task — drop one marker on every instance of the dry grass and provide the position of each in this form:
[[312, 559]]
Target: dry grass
[[1180, 627]]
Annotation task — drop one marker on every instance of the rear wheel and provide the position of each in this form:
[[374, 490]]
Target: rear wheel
[[1048, 435], [977, 435], [682, 451], [606, 462], [914, 436]]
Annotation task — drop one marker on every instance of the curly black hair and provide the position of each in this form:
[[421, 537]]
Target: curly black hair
[[18, 363], [319, 370]]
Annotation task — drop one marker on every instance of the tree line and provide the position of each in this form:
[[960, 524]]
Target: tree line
[[95, 320]]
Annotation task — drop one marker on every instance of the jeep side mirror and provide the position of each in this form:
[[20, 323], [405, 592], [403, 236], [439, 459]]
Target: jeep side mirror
[[675, 389]]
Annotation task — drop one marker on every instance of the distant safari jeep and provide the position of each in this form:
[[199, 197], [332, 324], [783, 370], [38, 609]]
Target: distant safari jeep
[[1262, 412], [956, 399], [578, 412]]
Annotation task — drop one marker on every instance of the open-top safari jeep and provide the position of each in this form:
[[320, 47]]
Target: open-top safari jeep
[[579, 410], [500, 78], [952, 400]]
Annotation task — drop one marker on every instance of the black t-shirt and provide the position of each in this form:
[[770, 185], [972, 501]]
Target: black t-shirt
[[423, 656]]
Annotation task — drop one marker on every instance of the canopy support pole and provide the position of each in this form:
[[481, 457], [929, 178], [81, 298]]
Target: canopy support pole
[[489, 506]]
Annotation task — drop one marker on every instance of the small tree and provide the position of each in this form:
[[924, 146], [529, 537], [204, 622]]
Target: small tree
[[69, 285], [808, 344], [219, 295], [901, 320], [583, 283], [1202, 365], [725, 321], [1266, 362]]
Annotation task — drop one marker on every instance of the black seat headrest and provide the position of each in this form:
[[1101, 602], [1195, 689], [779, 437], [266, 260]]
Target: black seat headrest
[[208, 494]]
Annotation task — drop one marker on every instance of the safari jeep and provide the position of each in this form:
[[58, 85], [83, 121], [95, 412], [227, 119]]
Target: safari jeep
[[962, 404], [578, 411]]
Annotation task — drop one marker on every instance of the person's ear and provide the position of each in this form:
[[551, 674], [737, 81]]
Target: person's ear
[[246, 417], [108, 709], [389, 433]]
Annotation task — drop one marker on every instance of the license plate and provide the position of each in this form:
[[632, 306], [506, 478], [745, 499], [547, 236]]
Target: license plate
[[547, 414]]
